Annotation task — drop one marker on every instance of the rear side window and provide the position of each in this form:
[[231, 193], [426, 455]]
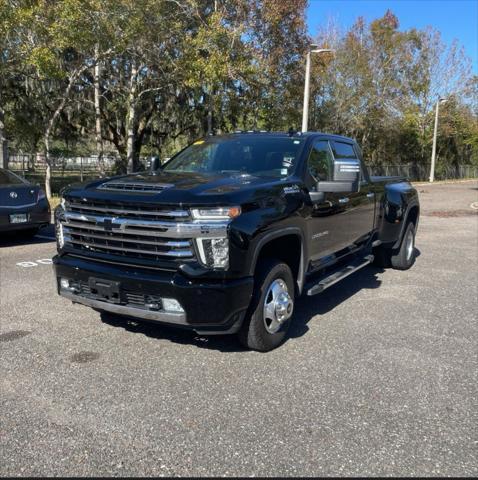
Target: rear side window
[[343, 150], [8, 178], [320, 161]]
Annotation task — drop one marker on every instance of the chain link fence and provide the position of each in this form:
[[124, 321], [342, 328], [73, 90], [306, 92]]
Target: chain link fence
[[67, 170], [422, 172]]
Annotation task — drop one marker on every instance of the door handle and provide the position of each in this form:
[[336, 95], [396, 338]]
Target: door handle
[[343, 200], [370, 195]]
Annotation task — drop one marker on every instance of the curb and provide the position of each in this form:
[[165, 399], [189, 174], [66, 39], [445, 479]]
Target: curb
[[444, 182]]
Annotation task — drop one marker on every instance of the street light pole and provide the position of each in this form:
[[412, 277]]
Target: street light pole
[[434, 148], [305, 109]]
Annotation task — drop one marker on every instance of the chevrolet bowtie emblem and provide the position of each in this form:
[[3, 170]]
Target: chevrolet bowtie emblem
[[108, 224]]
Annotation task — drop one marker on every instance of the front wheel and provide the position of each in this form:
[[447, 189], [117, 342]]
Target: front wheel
[[272, 305]]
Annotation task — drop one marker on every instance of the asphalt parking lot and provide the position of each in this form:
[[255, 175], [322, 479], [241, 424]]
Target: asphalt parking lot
[[379, 375]]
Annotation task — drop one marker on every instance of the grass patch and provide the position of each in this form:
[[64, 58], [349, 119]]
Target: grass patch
[[54, 201]]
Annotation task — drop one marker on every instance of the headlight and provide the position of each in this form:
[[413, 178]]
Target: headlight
[[60, 239], [218, 213], [214, 252]]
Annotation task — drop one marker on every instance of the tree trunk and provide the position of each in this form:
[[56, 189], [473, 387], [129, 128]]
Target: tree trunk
[[46, 141], [3, 142], [118, 141], [210, 108], [131, 121], [98, 128], [51, 126]]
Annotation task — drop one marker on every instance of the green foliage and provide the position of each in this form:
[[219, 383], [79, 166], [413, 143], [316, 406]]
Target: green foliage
[[382, 87], [172, 70]]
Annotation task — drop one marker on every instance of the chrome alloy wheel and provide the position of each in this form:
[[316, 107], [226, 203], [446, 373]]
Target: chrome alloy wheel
[[410, 244], [278, 306]]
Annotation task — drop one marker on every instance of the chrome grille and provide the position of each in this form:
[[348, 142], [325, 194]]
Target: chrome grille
[[143, 300], [132, 230], [84, 288]]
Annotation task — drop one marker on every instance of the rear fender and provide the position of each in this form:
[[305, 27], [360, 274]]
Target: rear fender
[[408, 214], [397, 203]]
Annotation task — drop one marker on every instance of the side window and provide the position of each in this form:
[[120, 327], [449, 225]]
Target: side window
[[320, 161], [343, 150]]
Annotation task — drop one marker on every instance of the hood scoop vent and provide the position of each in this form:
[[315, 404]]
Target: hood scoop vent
[[135, 187]]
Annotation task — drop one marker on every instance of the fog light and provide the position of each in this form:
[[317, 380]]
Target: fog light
[[69, 285], [153, 306], [172, 305]]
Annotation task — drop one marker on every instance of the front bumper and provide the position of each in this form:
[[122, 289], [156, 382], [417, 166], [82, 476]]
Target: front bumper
[[209, 306]]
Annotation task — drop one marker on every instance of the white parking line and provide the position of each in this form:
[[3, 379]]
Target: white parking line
[[41, 261]]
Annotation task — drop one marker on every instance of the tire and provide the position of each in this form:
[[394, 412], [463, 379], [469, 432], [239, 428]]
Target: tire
[[273, 293], [404, 258]]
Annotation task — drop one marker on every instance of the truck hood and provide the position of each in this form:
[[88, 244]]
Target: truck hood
[[177, 188]]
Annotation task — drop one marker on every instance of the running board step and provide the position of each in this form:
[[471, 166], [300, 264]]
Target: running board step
[[338, 275]]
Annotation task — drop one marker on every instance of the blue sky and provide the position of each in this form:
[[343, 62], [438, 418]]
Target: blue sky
[[455, 19]]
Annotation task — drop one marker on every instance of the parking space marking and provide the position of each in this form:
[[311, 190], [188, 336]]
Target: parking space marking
[[28, 264], [474, 205], [45, 261]]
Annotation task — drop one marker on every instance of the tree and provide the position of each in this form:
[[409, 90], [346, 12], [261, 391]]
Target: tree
[[382, 86], [150, 76], [6, 62], [53, 53]]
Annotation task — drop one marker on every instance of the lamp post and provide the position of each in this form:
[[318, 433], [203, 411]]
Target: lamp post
[[305, 110], [434, 148]]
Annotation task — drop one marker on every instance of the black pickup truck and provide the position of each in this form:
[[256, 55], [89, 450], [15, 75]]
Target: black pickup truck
[[225, 235]]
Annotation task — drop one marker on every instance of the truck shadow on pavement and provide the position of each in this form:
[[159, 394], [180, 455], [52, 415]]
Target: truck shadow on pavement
[[306, 308]]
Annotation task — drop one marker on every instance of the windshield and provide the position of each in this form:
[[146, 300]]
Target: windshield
[[267, 156], [9, 178]]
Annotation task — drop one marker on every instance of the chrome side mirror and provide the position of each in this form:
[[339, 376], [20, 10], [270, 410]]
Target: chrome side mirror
[[347, 170]]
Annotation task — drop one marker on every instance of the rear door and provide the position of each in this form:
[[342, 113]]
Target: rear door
[[326, 234], [341, 219], [359, 207]]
